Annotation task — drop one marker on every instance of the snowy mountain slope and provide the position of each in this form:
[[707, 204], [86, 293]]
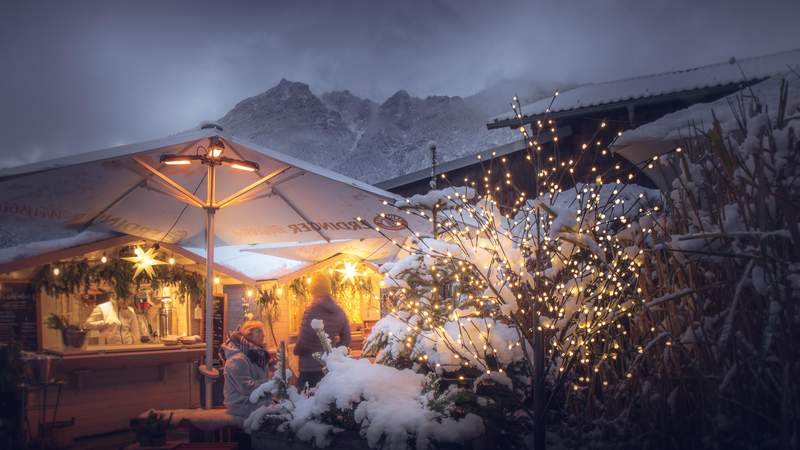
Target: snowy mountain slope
[[366, 140], [397, 140], [291, 119]]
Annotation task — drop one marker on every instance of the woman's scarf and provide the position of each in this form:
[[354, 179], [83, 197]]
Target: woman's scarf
[[255, 353]]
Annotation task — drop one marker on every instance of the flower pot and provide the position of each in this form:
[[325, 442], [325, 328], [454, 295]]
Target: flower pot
[[74, 338], [38, 367]]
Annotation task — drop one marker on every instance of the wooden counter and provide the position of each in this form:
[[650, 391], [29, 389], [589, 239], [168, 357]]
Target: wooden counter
[[107, 386]]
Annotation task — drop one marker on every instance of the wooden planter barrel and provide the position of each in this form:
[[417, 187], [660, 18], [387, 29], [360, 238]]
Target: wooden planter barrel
[[349, 440], [265, 440]]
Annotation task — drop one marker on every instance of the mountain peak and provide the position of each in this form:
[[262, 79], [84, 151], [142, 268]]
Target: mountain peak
[[357, 136], [288, 89], [401, 94]]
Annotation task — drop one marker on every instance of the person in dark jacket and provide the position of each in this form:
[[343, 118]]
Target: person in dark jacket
[[336, 326], [246, 363]]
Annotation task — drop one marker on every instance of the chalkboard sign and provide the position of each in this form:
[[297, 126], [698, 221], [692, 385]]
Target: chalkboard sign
[[219, 317], [18, 317]]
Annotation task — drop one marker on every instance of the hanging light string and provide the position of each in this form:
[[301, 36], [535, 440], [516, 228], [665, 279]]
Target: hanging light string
[[606, 286]]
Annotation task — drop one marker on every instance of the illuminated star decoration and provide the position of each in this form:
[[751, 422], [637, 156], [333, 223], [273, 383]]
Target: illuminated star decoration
[[144, 261], [349, 272]]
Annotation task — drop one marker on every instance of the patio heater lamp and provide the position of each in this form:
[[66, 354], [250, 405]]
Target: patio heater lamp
[[212, 157]]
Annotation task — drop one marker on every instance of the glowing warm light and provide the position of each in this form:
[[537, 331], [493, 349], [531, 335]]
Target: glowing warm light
[[242, 166], [349, 272], [56, 271], [249, 292], [178, 162], [171, 261], [144, 261], [103, 259], [216, 280]]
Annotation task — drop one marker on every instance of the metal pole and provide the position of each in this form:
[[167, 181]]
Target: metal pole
[[538, 390], [209, 360], [433, 166]]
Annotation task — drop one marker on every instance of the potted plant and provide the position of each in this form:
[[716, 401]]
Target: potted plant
[[72, 335], [151, 431]]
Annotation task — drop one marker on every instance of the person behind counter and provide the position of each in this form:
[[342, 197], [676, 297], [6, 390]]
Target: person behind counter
[[115, 320], [336, 324], [246, 363]]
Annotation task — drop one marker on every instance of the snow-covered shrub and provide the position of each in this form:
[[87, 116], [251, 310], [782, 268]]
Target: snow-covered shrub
[[388, 407], [475, 289]]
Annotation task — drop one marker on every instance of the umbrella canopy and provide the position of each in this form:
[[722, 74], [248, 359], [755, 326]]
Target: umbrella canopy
[[115, 190], [372, 249], [239, 193]]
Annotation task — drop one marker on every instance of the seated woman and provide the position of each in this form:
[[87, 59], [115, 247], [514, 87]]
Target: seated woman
[[246, 363]]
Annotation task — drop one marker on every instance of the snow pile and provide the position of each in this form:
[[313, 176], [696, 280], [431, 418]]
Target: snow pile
[[386, 341], [386, 417]]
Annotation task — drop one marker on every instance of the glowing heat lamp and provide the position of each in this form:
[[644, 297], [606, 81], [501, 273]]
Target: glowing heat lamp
[[144, 261], [349, 272], [244, 165], [176, 160]]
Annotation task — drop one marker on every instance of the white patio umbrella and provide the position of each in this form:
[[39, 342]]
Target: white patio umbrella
[[196, 188], [376, 250]]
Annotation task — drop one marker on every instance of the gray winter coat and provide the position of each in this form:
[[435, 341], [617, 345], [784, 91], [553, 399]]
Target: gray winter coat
[[241, 378], [336, 326]]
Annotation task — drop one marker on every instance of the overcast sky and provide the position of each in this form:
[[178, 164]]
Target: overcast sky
[[82, 75]]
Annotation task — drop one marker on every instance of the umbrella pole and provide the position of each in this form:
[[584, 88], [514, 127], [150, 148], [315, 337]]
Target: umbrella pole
[[209, 359]]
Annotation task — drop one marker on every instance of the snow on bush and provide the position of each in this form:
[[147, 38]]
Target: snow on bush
[[388, 417], [388, 406], [438, 198]]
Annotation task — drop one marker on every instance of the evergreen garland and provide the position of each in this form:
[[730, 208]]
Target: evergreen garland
[[78, 276]]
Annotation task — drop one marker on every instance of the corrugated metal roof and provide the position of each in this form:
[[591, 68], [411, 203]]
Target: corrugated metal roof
[[720, 74]]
